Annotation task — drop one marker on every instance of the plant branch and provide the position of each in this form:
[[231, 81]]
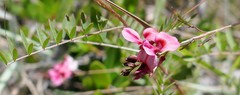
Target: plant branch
[[142, 22], [204, 35], [187, 42], [108, 45], [107, 7], [64, 42], [194, 7]]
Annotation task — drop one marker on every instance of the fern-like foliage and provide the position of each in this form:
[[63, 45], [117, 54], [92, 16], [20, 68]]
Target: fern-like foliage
[[54, 34]]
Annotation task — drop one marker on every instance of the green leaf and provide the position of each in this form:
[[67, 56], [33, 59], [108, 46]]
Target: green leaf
[[184, 72], [52, 27], [83, 18], [211, 68], [87, 82], [102, 24], [89, 27], [15, 54], [121, 81], [221, 41], [167, 88], [113, 58], [10, 44], [30, 48], [230, 40], [68, 23], [41, 35], [24, 40], [95, 38], [72, 33], [102, 80], [236, 64], [59, 37], [45, 43], [65, 23], [3, 58]]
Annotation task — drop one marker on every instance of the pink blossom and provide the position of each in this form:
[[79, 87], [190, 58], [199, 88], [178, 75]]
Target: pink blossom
[[62, 71], [153, 43]]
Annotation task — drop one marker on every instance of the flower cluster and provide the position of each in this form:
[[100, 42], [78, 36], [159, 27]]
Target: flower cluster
[[62, 71], [154, 42]]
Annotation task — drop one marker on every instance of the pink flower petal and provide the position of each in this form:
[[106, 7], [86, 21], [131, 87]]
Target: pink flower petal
[[57, 81], [70, 62], [141, 71], [52, 73], [166, 42], [148, 66], [152, 63], [142, 55], [149, 49], [131, 35], [150, 34], [55, 77]]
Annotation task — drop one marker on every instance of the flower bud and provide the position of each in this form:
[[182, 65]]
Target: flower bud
[[129, 64], [132, 58], [126, 72]]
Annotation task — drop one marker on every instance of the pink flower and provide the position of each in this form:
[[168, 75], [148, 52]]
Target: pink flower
[[62, 71], [153, 43]]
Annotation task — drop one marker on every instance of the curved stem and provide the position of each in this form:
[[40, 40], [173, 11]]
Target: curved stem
[[107, 7], [143, 23]]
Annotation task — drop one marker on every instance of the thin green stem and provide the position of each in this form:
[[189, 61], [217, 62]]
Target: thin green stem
[[107, 45]]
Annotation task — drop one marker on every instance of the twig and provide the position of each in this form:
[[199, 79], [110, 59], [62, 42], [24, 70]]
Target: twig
[[108, 45], [64, 42], [142, 22], [190, 25], [193, 8], [204, 35], [107, 7], [186, 42]]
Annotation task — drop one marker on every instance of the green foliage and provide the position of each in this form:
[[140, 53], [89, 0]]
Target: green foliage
[[43, 38], [221, 43], [113, 59], [69, 25], [59, 37], [3, 58], [14, 54], [236, 64], [87, 82], [42, 10], [100, 80], [52, 25], [28, 47], [230, 40]]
